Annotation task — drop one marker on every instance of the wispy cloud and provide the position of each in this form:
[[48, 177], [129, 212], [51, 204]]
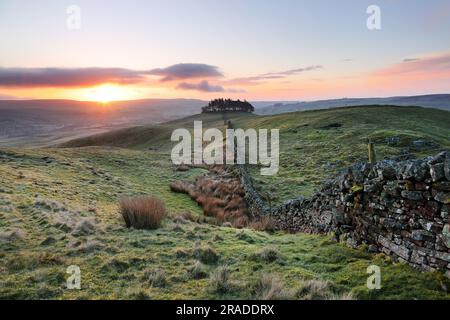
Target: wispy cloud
[[290, 72], [410, 59], [62, 77], [85, 77], [428, 66], [274, 75], [205, 86], [184, 71]]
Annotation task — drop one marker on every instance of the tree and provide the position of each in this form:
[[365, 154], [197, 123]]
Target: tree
[[228, 105]]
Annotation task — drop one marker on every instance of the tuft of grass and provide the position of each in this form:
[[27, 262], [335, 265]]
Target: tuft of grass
[[270, 287], [155, 277], [182, 253], [137, 294], [220, 280], [197, 270], [313, 290], [206, 254], [142, 212], [267, 254]]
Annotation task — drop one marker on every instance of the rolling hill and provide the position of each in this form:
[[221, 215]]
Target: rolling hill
[[439, 101], [313, 144], [59, 207]]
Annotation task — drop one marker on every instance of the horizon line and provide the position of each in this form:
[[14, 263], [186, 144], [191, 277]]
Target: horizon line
[[268, 100]]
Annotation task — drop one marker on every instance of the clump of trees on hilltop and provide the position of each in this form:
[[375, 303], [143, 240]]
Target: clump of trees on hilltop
[[222, 105]]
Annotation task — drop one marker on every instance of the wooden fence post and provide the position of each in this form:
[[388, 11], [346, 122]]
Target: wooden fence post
[[372, 155]]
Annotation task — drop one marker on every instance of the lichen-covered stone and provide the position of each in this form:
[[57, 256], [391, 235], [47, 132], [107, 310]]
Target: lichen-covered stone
[[437, 171], [446, 235], [442, 197], [422, 235], [412, 195]]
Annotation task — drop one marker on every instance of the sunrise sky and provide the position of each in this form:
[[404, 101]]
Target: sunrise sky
[[248, 49]]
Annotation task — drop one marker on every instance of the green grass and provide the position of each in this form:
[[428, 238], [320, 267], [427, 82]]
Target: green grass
[[310, 154], [116, 262]]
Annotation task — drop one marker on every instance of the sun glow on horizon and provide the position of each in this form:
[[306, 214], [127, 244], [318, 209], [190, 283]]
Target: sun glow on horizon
[[106, 93]]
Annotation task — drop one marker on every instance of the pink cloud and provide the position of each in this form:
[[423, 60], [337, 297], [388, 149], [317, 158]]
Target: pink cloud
[[427, 67]]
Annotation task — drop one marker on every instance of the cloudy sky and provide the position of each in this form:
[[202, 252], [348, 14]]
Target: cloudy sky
[[252, 49]]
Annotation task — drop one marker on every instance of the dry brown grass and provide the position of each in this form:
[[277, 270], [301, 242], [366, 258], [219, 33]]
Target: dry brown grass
[[219, 194], [270, 287], [142, 212], [263, 224]]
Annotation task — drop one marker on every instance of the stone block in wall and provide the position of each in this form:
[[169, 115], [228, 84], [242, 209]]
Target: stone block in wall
[[442, 197], [398, 250], [422, 235], [431, 226], [436, 263], [442, 185], [412, 195], [446, 235], [413, 223], [392, 188], [429, 245], [424, 252], [393, 224], [417, 258], [442, 256], [447, 166], [372, 187], [386, 170], [437, 171], [416, 170], [440, 157], [421, 186], [427, 268], [445, 213]]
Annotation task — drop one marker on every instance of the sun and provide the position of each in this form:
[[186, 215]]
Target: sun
[[106, 93]]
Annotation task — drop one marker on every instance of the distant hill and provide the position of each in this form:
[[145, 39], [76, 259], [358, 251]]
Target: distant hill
[[439, 101], [38, 123], [155, 136], [45, 122]]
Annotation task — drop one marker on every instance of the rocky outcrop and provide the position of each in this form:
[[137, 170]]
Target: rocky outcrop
[[400, 208]]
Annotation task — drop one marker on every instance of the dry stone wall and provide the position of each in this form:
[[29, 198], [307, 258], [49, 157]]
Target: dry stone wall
[[400, 208]]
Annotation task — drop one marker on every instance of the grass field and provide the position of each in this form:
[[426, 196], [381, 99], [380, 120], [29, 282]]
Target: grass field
[[311, 150], [59, 207]]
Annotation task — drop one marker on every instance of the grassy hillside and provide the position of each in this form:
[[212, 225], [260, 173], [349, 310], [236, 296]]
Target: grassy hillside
[[314, 145], [58, 207]]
